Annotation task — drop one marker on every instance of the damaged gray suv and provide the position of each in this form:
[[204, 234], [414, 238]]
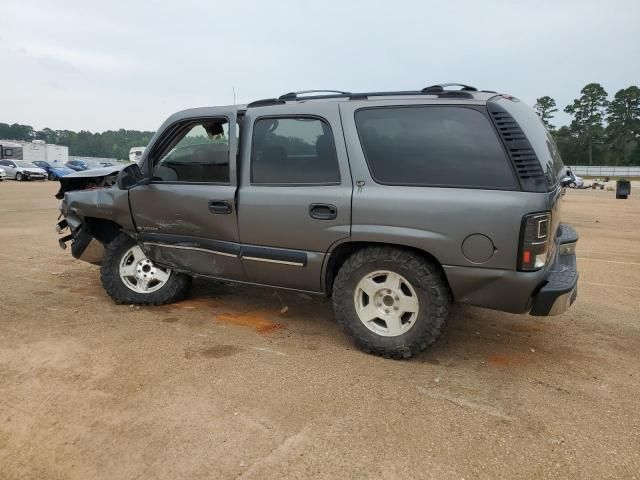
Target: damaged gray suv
[[394, 204]]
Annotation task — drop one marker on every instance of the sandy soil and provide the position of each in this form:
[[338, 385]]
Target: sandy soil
[[231, 384]]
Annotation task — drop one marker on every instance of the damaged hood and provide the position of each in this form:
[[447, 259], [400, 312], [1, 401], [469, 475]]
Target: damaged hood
[[96, 172], [88, 179]]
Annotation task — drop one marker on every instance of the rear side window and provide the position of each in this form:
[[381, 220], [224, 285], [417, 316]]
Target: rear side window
[[433, 146], [297, 150]]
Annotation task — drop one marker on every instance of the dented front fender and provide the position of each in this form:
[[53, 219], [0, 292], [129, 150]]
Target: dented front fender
[[89, 203]]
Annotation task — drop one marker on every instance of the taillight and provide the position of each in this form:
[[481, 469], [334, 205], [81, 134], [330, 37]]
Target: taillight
[[534, 241]]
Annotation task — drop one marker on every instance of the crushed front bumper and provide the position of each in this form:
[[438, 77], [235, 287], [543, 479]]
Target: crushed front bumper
[[84, 246], [560, 287]]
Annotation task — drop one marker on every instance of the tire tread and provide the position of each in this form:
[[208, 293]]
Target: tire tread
[[176, 288], [429, 278]]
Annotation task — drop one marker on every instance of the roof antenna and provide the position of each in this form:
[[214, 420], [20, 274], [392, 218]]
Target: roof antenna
[[234, 95]]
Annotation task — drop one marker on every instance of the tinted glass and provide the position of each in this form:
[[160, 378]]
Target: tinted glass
[[199, 154], [434, 146], [293, 151], [540, 139]]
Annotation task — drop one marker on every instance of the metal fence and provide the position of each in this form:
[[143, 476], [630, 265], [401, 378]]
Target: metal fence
[[605, 171]]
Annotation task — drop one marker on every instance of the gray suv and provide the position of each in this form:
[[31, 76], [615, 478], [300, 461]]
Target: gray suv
[[394, 204]]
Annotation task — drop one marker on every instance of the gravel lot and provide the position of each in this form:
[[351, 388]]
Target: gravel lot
[[244, 382]]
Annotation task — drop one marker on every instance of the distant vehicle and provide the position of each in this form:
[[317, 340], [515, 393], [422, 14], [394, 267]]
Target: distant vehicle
[[571, 180], [3, 174], [22, 170], [106, 164], [135, 154], [77, 165], [53, 170]]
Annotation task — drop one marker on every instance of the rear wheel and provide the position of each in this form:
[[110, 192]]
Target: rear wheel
[[393, 302], [128, 276], [51, 176], [572, 185]]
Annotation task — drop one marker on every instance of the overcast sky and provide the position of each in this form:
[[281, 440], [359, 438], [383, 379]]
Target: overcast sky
[[99, 65]]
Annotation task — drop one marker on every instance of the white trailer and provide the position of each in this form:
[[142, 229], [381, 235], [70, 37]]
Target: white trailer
[[135, 154], [57, 153], [34, 151]]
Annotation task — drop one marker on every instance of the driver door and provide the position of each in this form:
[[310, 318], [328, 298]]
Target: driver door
[[186, 216]]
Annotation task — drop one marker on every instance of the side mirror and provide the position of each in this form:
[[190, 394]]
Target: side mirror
[[129, 177]]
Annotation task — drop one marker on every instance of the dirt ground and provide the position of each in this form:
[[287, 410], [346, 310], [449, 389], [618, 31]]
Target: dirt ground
[[244, 382]]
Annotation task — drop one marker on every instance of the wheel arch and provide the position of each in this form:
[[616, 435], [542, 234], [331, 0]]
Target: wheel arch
[[102, 229], [339, 254]]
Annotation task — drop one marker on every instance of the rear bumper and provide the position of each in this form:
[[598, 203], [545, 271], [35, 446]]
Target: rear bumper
[[560, 288], [549, 291]]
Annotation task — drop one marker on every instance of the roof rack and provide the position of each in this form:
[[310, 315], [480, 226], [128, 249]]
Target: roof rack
[[441, 87], [439, 90], [295, 95]]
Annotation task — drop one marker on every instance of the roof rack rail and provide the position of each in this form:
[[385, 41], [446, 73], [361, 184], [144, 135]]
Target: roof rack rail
[[295, 95], [265, 102], [441, 87], [436, 90]]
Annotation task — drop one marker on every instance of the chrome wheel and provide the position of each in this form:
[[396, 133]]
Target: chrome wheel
[[139, 274], [386, 303]]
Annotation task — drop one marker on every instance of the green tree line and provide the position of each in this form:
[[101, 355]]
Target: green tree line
[[602, 131], [109, 144]]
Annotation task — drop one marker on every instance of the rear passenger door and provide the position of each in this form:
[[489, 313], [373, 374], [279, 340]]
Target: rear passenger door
[[295, 194]]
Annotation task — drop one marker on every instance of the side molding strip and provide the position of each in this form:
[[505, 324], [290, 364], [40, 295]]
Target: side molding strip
[[206, 250], [282, 256], [271, 260]]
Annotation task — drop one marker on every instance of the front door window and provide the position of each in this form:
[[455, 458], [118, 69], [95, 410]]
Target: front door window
[[198, 154]]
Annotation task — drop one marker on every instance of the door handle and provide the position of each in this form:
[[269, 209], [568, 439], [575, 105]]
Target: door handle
[[220, 207], [323, 211]]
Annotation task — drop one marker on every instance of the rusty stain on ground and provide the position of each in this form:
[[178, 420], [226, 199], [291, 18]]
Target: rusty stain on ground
[[256, 319], [499, 360]]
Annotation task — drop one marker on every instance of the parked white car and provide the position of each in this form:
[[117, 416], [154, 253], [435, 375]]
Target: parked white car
[[3, 174], [22, 170]]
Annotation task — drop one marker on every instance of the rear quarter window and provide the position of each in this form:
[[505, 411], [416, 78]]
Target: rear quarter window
[[443, 146], [539, 137]]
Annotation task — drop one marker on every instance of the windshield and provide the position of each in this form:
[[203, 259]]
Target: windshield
[[23, 164]]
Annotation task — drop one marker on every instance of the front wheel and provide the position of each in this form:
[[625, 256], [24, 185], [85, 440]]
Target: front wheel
[[19, 177], [393, 302], [128, 276], [572, 185]]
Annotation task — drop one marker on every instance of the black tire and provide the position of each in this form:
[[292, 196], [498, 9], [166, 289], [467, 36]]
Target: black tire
[[572, 185], [51, 176], [175, 289], [431, 288], [19, 177]]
